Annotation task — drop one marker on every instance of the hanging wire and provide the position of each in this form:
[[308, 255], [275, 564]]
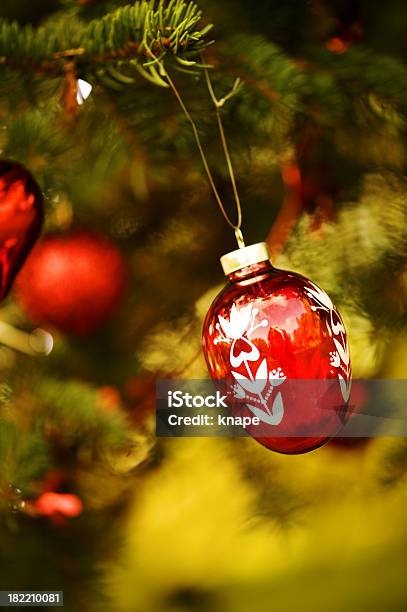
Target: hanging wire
[[218, 104]]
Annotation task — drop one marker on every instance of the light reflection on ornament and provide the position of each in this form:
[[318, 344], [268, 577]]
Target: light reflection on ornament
[[20, 220]]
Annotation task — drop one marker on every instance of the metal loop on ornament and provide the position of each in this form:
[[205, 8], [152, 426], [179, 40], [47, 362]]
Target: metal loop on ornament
[[239, 238]]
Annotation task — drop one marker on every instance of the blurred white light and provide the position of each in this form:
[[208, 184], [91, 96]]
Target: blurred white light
[[41, 341], [84, 90]]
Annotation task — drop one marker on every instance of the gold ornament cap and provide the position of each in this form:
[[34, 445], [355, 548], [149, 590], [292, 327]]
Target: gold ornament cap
[[245, 256]]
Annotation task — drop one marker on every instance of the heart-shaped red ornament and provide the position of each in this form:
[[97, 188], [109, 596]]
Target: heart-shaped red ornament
[[21, 217]]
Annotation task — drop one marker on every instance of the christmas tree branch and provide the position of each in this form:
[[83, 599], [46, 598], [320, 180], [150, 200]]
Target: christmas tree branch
[[335, 84], [129, 33], [78, 408]]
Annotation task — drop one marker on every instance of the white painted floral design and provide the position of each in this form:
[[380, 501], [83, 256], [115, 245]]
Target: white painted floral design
[[257, 387], [339, 356]]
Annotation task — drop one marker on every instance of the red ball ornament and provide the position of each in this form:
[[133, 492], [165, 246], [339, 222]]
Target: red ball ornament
[[20, 220], [279, 345], [57, 507], [72, 282]]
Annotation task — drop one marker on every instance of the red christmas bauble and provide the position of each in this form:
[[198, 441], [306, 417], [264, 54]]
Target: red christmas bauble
[[72, 282], [279, 345], [20, 220]]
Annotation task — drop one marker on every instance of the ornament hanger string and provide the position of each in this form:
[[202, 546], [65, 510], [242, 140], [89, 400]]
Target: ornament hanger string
[[218, 104]]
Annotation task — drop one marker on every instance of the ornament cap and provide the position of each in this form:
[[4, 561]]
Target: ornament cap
[[246, 256]]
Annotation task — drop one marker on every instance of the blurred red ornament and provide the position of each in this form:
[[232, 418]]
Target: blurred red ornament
[[292, 175], [20, 220], [140, 392], [336, 45], [109, 398], [73, 282], [52, 480], [65, 504], [280, 346]]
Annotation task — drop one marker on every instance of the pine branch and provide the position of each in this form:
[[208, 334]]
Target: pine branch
[[24, 458], [357, 275], [75, 409], [5, 393], [130, 33], [327, 87]]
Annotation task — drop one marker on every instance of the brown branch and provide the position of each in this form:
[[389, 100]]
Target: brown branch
[[55, 65], [70, 91], [289, 211]]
